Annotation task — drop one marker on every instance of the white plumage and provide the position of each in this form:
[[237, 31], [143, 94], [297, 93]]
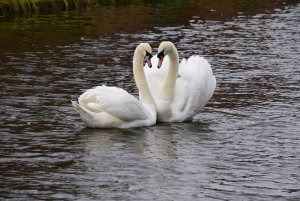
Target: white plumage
[[107, 107], [180, 91]]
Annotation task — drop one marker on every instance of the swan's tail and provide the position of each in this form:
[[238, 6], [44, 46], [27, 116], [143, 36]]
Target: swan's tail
[[76, 105], [84, 114]]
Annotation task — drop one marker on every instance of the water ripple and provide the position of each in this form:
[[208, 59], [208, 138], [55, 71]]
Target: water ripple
[[244, 145]]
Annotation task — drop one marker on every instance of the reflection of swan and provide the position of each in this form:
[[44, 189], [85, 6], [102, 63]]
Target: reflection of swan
[[140, 160], [187, 87], [156, 145], [103, 107]]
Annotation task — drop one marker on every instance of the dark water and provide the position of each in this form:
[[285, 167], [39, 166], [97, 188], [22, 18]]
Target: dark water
[[243, 146]]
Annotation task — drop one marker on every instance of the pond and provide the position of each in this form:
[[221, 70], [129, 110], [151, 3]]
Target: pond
[[244, 145]]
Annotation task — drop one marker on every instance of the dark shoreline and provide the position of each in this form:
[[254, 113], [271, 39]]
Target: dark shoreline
[[25, 8], [16, 8]]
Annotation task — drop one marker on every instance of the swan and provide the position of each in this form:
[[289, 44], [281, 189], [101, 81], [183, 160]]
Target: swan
[[113, 107], [180, 91]]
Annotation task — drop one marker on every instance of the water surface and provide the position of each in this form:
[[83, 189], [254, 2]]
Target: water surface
[[244, 145]]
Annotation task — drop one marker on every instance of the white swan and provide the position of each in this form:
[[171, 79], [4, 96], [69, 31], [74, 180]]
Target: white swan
[[186, 87], [107, 107]]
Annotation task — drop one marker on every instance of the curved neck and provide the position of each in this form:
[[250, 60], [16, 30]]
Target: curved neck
[[140, 79], [168, 88]]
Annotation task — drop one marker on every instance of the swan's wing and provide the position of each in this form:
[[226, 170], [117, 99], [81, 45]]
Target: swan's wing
[[114, 101], [155, 77], [195, 85]]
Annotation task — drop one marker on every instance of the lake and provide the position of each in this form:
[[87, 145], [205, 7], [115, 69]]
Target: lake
[[244, 145]]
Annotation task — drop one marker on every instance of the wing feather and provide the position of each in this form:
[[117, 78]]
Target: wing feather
[[114, 101]]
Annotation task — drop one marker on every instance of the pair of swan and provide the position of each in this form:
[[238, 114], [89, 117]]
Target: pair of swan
[[173, 92]]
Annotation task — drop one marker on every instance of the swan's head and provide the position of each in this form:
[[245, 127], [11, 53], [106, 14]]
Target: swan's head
[[145, 50], [164, 48]]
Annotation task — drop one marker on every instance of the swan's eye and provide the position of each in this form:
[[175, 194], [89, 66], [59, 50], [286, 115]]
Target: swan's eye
[[148, 55], [161, 54], [160, 57]]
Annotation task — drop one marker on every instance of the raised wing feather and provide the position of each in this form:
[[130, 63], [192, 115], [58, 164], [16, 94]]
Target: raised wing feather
[[196, 84]]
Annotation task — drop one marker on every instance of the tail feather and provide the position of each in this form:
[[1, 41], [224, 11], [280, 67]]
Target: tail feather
[[84, 114]]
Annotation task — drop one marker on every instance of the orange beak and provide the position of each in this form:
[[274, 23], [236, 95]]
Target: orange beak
[[160, 61], [149, 63]]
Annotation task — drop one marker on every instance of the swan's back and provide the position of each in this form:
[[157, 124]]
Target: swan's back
[[115, 101], [103, 107]]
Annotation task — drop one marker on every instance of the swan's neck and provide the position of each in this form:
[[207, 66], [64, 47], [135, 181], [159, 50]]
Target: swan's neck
[[168, 88], [141, 81]]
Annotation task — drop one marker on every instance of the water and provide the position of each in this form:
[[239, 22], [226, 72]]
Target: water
[[243, 146]]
